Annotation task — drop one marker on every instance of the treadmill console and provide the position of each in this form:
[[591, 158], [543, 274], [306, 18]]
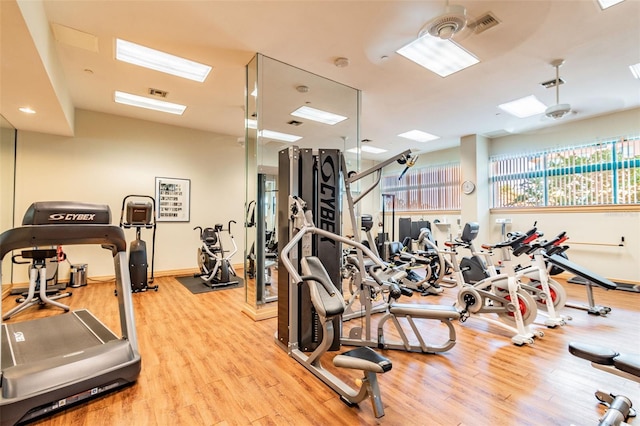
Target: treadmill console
[[67, 212]]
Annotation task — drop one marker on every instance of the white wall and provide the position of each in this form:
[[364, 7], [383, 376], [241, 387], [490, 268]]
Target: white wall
[[111, 157]]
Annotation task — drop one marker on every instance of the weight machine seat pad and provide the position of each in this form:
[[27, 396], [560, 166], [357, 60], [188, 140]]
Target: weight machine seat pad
[[629, 363], [598, 354], [327, 305], [569, 266], [363, 358], [439, 312]]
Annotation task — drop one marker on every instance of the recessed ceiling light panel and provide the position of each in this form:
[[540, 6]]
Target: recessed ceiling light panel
[[524, 107], [318, 115], [27, 110], [418, 136], [443, 57], [149, 103], [142, 56], [635, 70], [367, 148], [285, 137], [608, 3]]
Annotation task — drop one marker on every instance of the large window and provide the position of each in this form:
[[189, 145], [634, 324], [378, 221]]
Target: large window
[[427, 188], [603, 173]]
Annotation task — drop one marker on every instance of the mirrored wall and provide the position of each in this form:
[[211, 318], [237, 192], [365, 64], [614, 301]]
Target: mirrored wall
[[284, 107], [7, 191]]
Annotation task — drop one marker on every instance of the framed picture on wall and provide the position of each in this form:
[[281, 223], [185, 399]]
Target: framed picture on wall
[[173, 198]]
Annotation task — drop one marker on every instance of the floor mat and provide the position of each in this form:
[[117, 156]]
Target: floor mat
[[196, 286]]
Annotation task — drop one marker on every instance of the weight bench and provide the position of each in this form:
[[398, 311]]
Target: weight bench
[[392, 310], [623, 365], [411, 311], [590, 280]]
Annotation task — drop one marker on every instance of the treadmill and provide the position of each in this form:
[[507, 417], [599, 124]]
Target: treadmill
[[49, 364]]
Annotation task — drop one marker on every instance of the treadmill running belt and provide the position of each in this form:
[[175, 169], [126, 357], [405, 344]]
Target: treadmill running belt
[[43, 338]]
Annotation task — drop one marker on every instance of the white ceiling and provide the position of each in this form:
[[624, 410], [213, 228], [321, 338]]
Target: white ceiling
[[397, 95]]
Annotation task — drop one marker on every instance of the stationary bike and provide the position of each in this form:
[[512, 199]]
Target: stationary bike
[[39, 292], [140, 215], [501, 295], [215, 267]]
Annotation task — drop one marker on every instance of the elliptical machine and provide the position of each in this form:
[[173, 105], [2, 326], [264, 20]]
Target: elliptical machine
[[215, 268], [140, 215]]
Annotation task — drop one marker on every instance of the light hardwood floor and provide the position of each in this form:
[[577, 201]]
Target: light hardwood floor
[[206, 363]]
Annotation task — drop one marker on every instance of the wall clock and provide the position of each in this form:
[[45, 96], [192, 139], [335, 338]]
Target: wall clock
[[468, 187]]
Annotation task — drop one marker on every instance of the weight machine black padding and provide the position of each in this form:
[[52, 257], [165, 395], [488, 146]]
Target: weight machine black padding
[[578, 270]]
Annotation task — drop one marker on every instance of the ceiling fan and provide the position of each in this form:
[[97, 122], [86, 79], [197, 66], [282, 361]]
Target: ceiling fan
[[456, 24], [445, 26], [558, 110]]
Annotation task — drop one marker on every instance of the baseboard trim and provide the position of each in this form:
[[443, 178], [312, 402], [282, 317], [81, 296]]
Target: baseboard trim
[[266, 312]]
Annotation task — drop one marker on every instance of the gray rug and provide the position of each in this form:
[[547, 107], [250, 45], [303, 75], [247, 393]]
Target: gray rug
[[196, 286]]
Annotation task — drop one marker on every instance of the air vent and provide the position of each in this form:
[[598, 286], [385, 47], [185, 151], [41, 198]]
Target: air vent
[[551, 83], [157, 92], [483, 23], [294, 122]]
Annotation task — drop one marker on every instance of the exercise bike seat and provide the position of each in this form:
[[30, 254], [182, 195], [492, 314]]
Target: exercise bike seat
[[324, 295], [363, 358]]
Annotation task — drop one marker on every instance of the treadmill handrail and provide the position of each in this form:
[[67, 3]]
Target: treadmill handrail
[[110, 236]]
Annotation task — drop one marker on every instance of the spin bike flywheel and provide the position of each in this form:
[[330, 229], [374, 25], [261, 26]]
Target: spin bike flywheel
[[527, 306]]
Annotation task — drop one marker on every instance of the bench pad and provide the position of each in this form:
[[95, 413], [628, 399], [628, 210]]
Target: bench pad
[[363, 358], [440, 312], [593, 353]]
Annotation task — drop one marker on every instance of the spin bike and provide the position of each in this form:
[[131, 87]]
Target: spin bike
[[39, 292], [213, 260], [534, 278], [514, 306]]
